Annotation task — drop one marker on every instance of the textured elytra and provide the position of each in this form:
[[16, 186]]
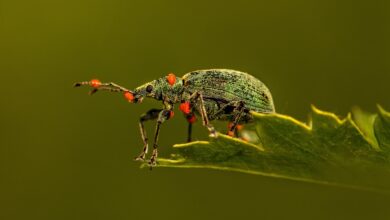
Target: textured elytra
[[352, 152], [230, 85]]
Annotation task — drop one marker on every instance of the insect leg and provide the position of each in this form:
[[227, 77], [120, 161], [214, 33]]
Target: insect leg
[[188, 111], [225, 107], [240, 108], [189, 137], [230, 108], [150, 115], [198, 97], [162, 117]]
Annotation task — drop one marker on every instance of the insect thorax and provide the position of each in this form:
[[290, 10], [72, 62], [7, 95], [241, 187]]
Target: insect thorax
[[170, 93]]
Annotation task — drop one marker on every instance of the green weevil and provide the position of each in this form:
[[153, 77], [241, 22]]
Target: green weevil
[[213, 94]]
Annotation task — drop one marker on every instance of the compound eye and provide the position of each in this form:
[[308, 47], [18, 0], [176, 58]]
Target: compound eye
[[149, 88]]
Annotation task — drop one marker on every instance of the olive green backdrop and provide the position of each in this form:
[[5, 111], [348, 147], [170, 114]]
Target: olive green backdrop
[[65, 155]]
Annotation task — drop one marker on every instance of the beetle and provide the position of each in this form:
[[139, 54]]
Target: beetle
[[212, 94]]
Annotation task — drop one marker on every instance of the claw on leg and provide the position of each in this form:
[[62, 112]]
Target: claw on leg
[[234, 133], [153, 159], [141, 157], [212, 131]]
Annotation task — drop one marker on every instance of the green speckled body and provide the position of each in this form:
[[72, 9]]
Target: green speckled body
[[222, 86], [219, 88]]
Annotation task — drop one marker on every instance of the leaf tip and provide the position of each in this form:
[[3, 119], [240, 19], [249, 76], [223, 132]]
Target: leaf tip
[[314, 108], [317, 112], [382, 111]]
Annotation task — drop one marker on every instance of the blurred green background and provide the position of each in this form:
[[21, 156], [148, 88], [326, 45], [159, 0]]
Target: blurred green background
[[65, 155]]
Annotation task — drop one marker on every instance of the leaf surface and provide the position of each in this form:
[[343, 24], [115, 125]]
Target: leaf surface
[[354, 151]]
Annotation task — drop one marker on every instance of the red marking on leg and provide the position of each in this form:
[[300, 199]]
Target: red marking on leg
[[230, 133], [129, 96], [191, 119], [230, 124], [95, 83], [171, 78], [185, 107], [171, 114], [239, 127]]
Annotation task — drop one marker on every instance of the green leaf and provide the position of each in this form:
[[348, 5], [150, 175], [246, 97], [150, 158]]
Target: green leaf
[[354, 151]]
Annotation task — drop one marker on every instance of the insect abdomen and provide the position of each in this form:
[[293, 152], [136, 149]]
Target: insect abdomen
[[230, 85]]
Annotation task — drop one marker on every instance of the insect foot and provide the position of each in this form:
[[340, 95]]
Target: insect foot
[[141, 157], [213, 133], [153, 159]]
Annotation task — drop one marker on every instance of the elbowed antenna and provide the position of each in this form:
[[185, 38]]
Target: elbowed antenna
[[111, 87]]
